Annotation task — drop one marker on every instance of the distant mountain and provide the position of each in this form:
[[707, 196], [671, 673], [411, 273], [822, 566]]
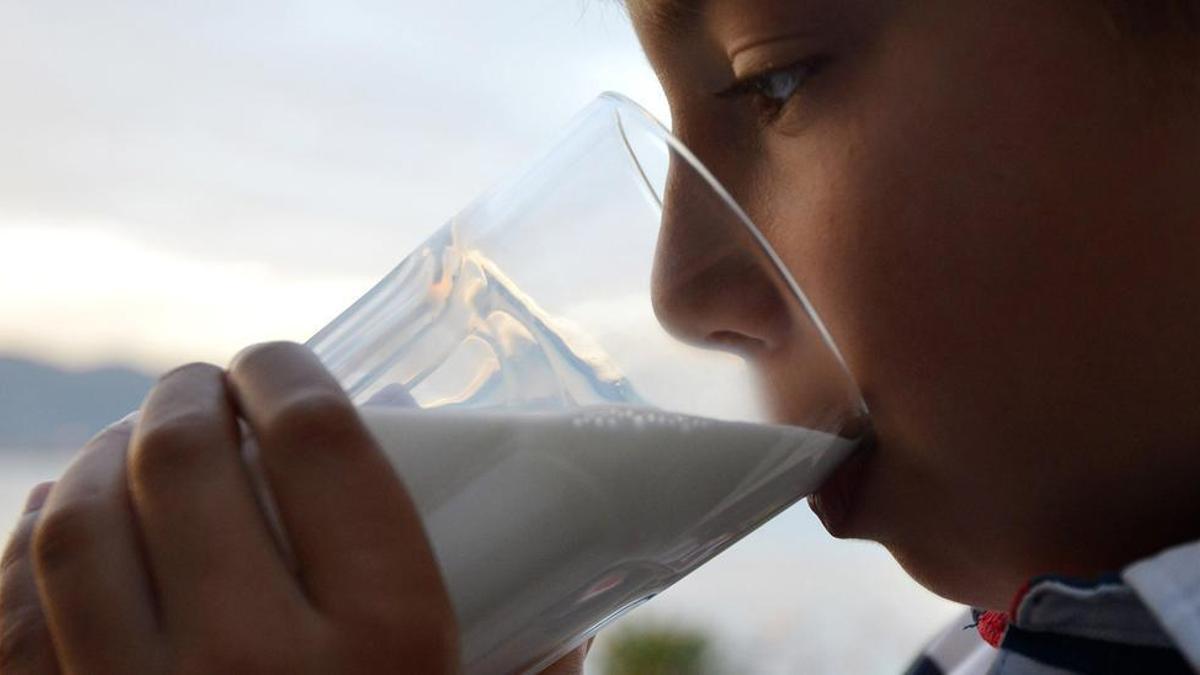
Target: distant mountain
[[45, 407]]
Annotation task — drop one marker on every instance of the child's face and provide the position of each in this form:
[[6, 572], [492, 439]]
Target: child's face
[[966, 190]]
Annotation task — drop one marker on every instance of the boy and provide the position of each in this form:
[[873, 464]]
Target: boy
[[992, 205]]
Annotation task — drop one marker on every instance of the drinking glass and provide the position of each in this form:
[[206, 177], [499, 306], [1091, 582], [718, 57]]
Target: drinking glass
[[561, 380]]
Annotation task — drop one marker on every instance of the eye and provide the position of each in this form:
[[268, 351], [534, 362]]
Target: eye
[[779, 85], [771, 90]]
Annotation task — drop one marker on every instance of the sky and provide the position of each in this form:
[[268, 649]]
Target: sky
[[178, 180]]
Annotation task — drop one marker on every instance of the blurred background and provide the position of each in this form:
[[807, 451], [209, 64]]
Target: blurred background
[[178, 180]]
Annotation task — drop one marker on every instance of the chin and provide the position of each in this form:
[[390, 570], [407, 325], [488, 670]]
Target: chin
[[955, 575], [857, 502]]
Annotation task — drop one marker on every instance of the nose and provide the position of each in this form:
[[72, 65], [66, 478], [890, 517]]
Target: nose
[[713, 286]]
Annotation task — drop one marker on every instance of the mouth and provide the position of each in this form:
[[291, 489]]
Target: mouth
[[836, 500]]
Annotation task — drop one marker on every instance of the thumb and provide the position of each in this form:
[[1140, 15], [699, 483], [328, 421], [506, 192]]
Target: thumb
[[572, 663]]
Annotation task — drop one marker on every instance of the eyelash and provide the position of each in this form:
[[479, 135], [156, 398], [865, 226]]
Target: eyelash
[[758, 87]]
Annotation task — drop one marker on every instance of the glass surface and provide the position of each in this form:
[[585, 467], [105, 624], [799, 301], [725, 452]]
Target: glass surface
[[542, 373]]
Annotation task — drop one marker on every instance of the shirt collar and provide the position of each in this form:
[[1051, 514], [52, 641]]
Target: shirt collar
[[1154, 602]]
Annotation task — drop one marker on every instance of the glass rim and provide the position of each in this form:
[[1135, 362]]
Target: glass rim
[[649, 122]]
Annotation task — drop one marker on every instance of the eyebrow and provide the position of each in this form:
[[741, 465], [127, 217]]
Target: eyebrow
[[670, 17]]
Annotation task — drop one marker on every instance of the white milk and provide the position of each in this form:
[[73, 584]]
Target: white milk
[[547, 525]]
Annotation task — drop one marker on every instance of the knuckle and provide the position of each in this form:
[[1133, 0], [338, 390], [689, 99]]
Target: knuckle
[[117, 433], [250, 357], [190, 370], [167, 447], [317, 415], [62, 534], [24, 638]]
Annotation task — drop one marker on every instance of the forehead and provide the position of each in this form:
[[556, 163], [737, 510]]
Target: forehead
[[669, 17], [731, 21]]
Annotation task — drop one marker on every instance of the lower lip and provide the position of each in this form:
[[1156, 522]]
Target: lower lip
[[834, 501]]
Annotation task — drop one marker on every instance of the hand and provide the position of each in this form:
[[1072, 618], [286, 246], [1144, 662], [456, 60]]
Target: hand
[[572, 663], [151, 554]]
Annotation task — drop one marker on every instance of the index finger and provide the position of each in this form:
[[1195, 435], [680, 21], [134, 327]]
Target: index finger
[[98, 597], [356, 534], [25, 641]]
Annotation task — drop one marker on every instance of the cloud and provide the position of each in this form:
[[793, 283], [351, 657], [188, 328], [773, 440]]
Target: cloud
[[275, 131], [87, 296], [305, 140]]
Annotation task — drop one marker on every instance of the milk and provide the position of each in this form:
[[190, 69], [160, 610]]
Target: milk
[[548, 525], [555, 499]]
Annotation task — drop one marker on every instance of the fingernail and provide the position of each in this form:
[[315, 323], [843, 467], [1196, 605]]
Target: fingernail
[[37, 497]]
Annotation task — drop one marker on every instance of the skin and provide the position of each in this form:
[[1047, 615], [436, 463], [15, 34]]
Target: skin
[[992, 206]]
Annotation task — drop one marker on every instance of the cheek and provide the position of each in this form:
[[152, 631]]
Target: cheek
[[931, 225], [923, 273]]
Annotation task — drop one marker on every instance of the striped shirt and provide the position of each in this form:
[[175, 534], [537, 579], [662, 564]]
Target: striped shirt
[[1144, 620]]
